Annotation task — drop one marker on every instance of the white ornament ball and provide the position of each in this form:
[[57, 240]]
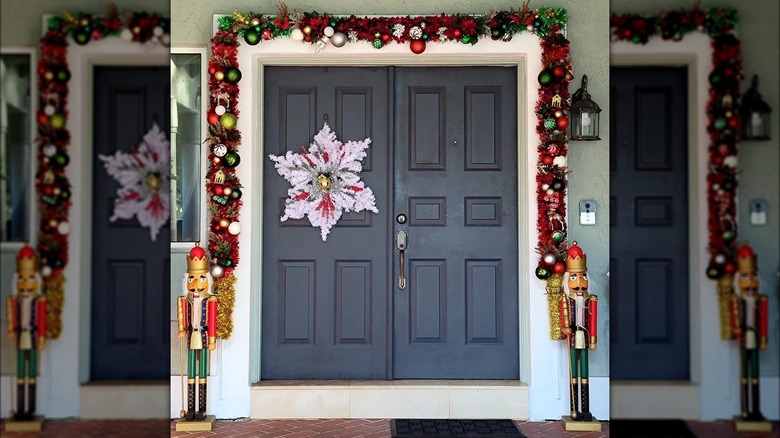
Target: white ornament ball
[[530, 28], [296, 35], [720, 259], [549, 258], [730, 161], [338, 39], [46, 271], [220, 109], [234, 228], [559, 161], [328, 31], [217, 271], [415, 33], [158, 31], [49, 150], [166, 39], [545, 186], [63, 228], [49, 110], [126, 35]]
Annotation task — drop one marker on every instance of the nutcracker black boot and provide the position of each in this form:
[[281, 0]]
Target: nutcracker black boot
[[744, 388], [575, 414], [586, 415], [31, 399], [20, 405], [190, 415], [755, 410], [201, 414]]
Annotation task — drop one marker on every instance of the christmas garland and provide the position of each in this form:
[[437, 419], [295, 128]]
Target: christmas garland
[[722, 125], [52, 186], [323, 31]]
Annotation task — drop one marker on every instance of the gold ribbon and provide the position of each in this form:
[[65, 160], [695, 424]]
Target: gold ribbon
[[225, 289], [54, 291], [554, 295], [725, 292]]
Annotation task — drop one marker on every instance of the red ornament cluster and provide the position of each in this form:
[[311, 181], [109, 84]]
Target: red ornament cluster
[[222, 183], [722, 114], [552, 108]]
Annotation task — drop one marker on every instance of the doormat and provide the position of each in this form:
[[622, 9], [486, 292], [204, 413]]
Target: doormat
[[649, 429], [454, 428]]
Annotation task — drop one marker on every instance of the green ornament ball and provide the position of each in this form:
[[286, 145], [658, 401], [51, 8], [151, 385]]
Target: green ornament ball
[[81, 36], [64, 194], [226, 262], [558, 235], [236, 193], [720, 123], [496, 33], [713, 272], [57, 121], [252, 37], [377, 43], [542, 273], [557, 185], [715, 77], [232, 75], [425, 36], [545, 77], [228, 120], [465, 39], [549, 123], [62, 75], [729, 236], [60, 159], [231, 159], [636, 39]]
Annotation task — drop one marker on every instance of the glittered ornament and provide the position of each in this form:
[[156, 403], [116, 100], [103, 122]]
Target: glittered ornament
[[549, 123], [338, 39], [231, 159], [251, 36], [542, 273], [545, 77], [377, 43], [232, 75], [228, 120], [417, 46]]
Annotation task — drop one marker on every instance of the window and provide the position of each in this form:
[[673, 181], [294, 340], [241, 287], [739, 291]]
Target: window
[[15, 147], [186, 146]]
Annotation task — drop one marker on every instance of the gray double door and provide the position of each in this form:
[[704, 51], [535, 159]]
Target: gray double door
[[444, 155]]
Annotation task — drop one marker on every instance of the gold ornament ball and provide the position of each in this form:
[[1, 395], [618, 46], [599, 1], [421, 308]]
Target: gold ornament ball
[[306, 30], [227, 191], [558, 114], [48, 75], [324, 182], [255, 21], [84, 21], [219, 75], [53, 223], [137, 30], [224, 223]]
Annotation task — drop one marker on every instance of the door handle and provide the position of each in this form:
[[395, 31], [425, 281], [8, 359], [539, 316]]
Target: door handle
[[400, 244]]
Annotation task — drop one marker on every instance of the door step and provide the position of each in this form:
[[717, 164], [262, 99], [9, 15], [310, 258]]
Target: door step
[[475, 399], [125, 400]]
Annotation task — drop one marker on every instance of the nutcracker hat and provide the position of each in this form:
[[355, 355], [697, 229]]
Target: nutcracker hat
[[197, 262], [26, 261], [746, 260], [576, 261]]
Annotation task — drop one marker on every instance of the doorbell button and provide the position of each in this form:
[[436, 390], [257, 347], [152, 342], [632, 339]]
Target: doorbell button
[[401, 218]]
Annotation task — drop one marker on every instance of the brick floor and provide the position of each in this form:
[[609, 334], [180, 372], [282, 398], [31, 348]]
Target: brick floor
[[244, 428]]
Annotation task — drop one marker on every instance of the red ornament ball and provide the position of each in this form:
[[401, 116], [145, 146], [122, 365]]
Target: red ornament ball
[[213, 118], [385, 38], [456, 33], [562, 122], [717, 160], [417, 46], [43, 119], [730, 268], [733, 122], [547, 160], [212, 70], [559, 268], [48, 190], [267, 34], [559, 71], [218, 189], [552, 149]]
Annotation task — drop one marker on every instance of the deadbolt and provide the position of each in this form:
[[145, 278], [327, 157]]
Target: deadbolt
[[401, 218]]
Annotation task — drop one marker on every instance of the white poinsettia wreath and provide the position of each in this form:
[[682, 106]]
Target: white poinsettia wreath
[[325, 180], [144, 175]]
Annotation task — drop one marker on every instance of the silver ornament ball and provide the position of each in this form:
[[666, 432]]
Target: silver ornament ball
[[338, 39]]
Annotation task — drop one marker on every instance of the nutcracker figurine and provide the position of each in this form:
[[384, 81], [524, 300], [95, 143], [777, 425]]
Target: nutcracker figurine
[[197, 317], [749, 321], [578, 322], [27, 325]]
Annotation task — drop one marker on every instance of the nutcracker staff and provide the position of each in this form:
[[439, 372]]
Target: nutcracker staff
[[27, 325], [749, 321], [197, 317], [578, 313]]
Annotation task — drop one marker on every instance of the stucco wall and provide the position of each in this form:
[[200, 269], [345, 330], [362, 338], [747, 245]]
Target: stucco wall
[[758, 161]]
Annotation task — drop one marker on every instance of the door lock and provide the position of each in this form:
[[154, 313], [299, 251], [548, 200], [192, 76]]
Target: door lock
[[400, 244]]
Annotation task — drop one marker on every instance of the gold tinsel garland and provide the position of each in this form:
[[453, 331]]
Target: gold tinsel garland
[[225, 289], [725, 293], [54, 291], [554, 296]]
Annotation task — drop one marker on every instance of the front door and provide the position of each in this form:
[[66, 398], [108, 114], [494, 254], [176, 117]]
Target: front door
[[130, 334], [649, 224], [443, 154]]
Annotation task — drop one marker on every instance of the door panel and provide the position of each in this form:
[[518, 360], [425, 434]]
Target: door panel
[[649, 228], [456, 179], [333, 309], [130, 335], [325, 302]]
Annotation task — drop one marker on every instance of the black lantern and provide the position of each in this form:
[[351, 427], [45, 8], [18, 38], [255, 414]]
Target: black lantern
[[584, 115], [754, 113]]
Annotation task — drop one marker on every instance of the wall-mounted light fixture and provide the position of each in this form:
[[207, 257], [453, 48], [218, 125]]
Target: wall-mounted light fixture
[[584, 115], [754, 113]]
